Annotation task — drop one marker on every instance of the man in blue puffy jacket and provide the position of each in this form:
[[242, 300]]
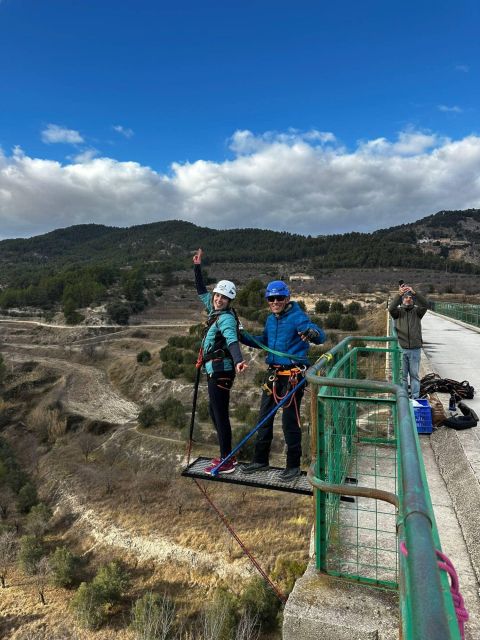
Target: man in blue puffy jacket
[[289, 330]]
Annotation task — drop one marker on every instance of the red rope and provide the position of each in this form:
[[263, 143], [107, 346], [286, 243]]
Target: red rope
[[445, 564], [277, 592]]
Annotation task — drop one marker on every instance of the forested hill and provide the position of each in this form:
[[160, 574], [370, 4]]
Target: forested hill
[[173, 241], [82, 263]]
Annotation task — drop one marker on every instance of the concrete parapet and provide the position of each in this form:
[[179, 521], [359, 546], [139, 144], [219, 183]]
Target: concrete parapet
[[321, 607], [463, 486]]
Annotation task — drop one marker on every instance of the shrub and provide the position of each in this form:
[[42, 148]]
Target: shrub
[[337, 307], [29, 554], [184, 342], [348, 323], [171, 370], [119, 312], [172, 411], [241, 411], [89, 606], [322, 306], [37, 520], [259, 601], [153, 617], [189, 372], [27, 497], [3, 369], [147, 416], [219, 618], [332, 321], [144, 356], [247, 449], [202, 410], [112, 580], [355, 308], [288, 571], [63, 564], [171, 354]]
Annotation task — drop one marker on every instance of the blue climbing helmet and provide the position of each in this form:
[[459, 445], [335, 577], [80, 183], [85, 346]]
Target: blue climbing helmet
[[277, 288]]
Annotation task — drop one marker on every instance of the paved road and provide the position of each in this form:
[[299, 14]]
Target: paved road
[[453, 351]]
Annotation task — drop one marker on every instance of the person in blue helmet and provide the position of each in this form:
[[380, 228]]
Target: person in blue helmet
[[289, 330], [221, 358]]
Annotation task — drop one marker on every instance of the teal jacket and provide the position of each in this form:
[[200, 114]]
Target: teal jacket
[[221, 335]]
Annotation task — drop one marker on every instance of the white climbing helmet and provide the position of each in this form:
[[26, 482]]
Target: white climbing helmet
[[225, 288]]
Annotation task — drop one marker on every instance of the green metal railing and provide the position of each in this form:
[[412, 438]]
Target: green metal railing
[[367, 449], [469, 313]]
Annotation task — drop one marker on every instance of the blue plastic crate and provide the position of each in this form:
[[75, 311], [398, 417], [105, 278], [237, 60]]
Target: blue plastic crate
[[423, 416]]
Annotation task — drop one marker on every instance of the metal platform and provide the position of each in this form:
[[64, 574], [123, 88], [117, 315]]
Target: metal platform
[[263, 479]]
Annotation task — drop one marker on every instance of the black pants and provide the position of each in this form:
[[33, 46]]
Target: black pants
[[219, 385], [291, 428]]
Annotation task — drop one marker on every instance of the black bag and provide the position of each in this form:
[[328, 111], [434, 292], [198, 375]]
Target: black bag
[[468, 420]]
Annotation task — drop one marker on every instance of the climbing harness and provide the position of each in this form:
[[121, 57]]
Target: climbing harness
[[433, 382], [445, 564]]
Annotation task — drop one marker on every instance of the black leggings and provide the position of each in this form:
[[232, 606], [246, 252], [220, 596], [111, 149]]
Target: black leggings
[[219, 385]]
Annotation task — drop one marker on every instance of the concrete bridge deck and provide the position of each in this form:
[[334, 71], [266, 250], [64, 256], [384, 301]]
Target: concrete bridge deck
[[322, 609]]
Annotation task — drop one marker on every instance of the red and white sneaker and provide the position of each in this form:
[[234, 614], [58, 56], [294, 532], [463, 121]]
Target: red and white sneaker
[[212, 464], [226, 467]]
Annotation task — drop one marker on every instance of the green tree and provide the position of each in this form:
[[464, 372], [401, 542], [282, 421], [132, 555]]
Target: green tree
[[171, 370], [89, 606], [119, 312], [30, 552], [348, 323], [113, 581], [147, 416], [332, 321], [337, 307], [144, 356], [202, 410], [354, 308], [27, 497], [322, 306], [38, 519], [64, 566]]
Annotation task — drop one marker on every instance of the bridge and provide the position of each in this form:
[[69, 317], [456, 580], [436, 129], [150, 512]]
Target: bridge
[[374, 572]]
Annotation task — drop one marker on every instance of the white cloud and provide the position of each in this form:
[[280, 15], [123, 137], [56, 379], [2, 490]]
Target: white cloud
[[281, 182], [55, 133], [124, 131], [454, 109], [84, 156]]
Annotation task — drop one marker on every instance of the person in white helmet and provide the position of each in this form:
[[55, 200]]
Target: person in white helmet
[[221, 358]]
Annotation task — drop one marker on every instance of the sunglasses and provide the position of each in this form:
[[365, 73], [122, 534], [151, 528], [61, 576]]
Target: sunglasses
[[276, 298]]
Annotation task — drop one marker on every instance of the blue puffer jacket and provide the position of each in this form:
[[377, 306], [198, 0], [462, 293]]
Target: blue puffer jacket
[[281, 334]]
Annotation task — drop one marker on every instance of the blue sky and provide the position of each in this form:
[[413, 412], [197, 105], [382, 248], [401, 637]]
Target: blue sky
[[311, 116]]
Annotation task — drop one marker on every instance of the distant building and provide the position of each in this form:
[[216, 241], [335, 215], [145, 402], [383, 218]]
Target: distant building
[[300, 277]]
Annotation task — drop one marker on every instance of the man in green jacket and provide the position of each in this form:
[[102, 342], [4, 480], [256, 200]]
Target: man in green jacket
[[407, 309]]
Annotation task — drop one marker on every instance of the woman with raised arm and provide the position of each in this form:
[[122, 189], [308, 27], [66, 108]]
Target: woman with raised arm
[[221, 358]]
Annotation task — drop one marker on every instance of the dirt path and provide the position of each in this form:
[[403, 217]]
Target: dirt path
[[88, 391], [145, 548]]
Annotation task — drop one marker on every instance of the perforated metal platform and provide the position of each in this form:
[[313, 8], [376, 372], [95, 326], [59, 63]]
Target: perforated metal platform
[[263, 479]]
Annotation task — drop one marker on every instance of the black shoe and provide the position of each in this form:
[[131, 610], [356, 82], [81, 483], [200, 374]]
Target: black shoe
[[252, 467], [290, 473]]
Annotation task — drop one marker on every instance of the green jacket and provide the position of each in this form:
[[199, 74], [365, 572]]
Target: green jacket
[[408, 321]]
